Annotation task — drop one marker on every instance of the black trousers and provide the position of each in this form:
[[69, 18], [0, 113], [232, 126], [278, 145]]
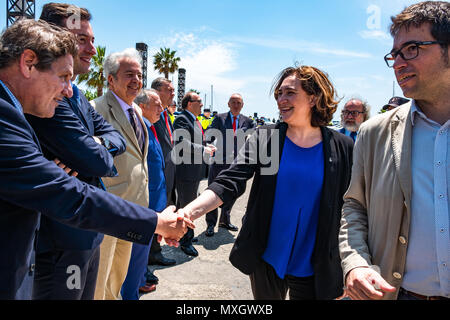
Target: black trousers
[[266, 285], [186, 192], [66, 274], [225, 213]]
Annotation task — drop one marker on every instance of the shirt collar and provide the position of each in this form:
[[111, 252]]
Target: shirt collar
[[16, 102], [237, 117], [192, 115], [417, 112], [125, 106]]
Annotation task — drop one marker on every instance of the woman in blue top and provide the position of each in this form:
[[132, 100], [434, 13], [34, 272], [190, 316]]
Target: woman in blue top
[[289, 236]]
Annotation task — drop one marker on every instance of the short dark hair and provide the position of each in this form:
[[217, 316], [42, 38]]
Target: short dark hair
[[186, 99], [316, 83], [158, 82], [57, 13], [48, 42], [437, 13]]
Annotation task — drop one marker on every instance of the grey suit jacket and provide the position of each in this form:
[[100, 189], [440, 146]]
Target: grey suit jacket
[[376, 212], [132, 182]]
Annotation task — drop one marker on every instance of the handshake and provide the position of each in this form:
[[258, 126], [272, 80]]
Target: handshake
[[172, 225]]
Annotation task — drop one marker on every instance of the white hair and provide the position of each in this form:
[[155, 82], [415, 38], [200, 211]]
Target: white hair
[[112, 62]]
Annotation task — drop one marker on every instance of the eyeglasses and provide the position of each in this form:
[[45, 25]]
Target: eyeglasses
[[199, 101], [408, 51], [352, 113]]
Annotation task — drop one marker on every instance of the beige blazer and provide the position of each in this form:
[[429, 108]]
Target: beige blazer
[[376, 212], [132, 182]]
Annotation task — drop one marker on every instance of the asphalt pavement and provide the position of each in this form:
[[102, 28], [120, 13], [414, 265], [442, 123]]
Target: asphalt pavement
[[210, 276]]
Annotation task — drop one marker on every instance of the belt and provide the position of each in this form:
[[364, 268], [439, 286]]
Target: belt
[[421, 297]]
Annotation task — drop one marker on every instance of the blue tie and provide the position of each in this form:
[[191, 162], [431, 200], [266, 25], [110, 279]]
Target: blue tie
[[353, 135]]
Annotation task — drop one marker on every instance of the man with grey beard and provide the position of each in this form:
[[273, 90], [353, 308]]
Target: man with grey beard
[[355, 112]]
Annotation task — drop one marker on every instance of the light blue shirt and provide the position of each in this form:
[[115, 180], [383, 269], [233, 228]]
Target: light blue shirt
[[427, 258], [237, 119], [16, 102]]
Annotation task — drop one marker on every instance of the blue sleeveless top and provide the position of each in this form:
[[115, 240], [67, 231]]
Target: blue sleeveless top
[[296, 210]]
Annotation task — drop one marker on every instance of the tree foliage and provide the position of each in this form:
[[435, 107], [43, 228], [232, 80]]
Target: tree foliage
[[166, 62], [95, 78]]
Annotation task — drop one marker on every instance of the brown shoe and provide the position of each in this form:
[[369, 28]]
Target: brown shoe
[[147, 288]]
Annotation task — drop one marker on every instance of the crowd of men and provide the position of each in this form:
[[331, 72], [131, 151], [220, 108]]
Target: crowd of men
[[91, 187]]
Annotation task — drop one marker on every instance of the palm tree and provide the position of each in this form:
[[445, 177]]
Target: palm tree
[[95, 78], [165, 61]]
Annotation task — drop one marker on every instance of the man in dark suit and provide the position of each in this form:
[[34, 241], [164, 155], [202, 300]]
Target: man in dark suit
[[190, 145], [232, 122], [83, 141], [29, 183], [354, 113]]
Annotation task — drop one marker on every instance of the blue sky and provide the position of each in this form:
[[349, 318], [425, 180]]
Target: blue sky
[[240, 46]]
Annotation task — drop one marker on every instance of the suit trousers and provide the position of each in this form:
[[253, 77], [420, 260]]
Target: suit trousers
[[266, 285], [66, 274], [114, 259], [136, 272], [186, 192], [225, 213]]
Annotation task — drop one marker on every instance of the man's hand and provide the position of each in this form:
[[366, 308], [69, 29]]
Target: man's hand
[[172, 226], [364, 283], [65, 168]]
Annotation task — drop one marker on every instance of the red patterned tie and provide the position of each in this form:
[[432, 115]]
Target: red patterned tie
[[167, 125], [234, 124], [200, 126]]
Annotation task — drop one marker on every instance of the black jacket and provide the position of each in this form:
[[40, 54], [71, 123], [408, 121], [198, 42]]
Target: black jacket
[[252, 239], [189, 146]]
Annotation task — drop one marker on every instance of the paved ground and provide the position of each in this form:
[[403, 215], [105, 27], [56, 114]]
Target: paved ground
[[210, 276]]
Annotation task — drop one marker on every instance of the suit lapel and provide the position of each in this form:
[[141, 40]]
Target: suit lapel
[[401, 135], [122, 119]]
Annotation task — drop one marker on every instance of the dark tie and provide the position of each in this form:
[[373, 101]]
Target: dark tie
[[137, 128], [353, 135]]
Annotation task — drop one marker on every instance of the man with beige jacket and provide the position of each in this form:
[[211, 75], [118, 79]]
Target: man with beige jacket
[[124, 74], [394, 238]]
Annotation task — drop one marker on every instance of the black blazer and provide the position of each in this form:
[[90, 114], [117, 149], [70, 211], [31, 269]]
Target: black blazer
[[188, 147], [166, 146], [252, 239]]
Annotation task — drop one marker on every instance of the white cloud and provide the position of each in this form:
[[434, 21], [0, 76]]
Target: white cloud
[[300, 46]]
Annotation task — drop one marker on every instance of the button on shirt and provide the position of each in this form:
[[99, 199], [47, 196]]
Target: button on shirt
[[427, 258]]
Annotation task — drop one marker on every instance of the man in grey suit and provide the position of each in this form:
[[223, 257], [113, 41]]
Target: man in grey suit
[[233, 123], [394, 237]]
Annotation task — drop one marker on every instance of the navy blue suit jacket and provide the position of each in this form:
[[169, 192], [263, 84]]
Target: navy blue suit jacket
[[30, 185], [68, 137], [156, 179]]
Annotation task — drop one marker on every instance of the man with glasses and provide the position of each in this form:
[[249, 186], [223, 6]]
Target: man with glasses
[[355, 112], [394, 238], [189, 148]]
